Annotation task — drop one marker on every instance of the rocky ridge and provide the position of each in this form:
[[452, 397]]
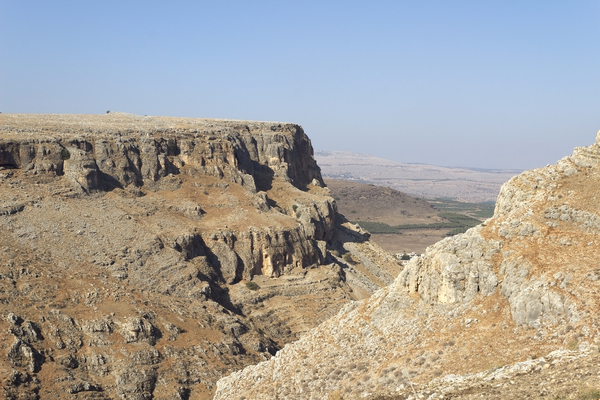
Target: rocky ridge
[[520, 286], [145, 257]]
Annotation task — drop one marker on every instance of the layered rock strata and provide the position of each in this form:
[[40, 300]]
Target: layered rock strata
[[145, 257], [521, 285]]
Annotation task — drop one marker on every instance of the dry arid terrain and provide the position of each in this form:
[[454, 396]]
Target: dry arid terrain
[[401, 223], [176, 258], [508, 309], [368, 202], [421, 180], [146, 257]]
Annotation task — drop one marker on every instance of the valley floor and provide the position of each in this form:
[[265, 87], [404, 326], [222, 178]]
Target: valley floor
[[416, 241]]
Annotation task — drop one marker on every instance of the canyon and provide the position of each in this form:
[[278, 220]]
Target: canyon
[[147, 257], [179, 258], [513, 300]]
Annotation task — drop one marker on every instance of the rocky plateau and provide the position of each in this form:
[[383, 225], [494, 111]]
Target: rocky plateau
[[147, 257]]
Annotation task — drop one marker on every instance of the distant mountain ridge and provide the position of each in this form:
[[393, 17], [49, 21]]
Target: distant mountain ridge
[[458, 183]]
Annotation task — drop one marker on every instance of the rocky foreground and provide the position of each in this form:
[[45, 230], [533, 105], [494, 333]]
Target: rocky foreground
[[510, 304], [146, 257]]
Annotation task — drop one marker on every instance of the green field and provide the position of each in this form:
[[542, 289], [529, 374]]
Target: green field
[[376, 227], [459, 217], [476, 210]]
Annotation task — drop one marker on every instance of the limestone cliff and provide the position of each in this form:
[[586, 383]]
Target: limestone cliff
[[519, 286], [145, 257]]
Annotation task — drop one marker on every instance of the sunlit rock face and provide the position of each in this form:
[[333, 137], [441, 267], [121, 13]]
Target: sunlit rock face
[[146, 257], [524, 282]]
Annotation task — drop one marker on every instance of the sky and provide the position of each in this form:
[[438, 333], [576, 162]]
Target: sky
[[484, 84]]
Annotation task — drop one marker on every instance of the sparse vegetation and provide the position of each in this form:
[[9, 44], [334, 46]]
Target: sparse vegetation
[[483, 214], [376, 227], [348, 258], [494, 367], [587, 393], [296, 210], [456, 231], [459, 218], [457, 223], [478, 210], [337, 395], [65, 154], [573, 344], [252, 285]]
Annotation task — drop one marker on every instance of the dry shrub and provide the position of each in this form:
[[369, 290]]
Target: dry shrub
[[588, 393], [337, 395]]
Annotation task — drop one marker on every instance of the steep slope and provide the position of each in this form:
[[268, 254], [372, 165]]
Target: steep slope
[[519, 286], [145, 257]]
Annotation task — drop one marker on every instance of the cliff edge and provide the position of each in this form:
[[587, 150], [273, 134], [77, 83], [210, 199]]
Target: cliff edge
[[146, 257]]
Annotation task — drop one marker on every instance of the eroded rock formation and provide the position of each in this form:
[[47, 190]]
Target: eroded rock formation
[[145, 257], [517, 287]]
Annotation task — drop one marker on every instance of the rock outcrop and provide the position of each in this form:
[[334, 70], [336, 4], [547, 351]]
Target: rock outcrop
[[146, 257], [521, 285]]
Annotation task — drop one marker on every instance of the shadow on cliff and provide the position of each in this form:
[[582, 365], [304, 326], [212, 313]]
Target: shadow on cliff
[[263, 177], [344, 234], [220, 294], [7, 160], [212, 272], [107, 182], [246, 155]]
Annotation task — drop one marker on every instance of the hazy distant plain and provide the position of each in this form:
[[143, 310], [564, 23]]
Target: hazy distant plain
[[428, 181]]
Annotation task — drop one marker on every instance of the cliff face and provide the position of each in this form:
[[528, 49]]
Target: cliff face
[[122, 149], [145, 257], [133, 152], [519, 286]]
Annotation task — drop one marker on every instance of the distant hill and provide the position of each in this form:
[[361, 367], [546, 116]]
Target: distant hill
[[399, 222], [422, 180], [367, 202]]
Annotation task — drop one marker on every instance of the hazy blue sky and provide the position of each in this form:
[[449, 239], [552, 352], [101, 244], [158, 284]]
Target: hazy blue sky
[[493, 84]]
